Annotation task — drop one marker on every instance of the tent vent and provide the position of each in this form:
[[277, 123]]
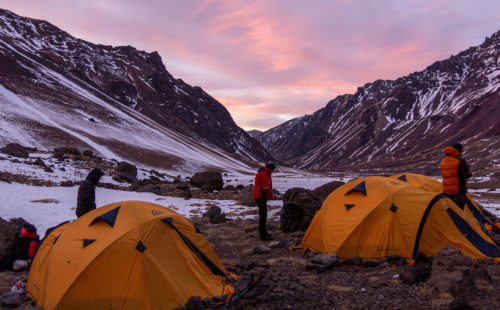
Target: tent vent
[[403, 177], [140, 247], [348, 206], [358, 188], [393, 208], [108, 217], [56, 238], [87, 242]]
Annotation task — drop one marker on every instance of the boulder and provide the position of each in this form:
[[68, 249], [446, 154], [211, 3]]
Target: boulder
[[324, 190], [8, 233], [415, 274], [121, 177], [455, 274], [212, 178], [194, 303], [261, 249], [12, 299], [292, 217], [39, 162], [66, 150], [245, 196], [215, 215], [127, 168], [67, 183], [88, 153], [16, 150], [327, 260], [294, 200]]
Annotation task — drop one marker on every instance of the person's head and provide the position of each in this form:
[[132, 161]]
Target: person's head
[[28, 231], [458, 147], [271, 166], [95, 175]]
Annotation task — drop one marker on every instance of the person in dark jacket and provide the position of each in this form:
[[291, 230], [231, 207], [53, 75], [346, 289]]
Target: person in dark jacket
[[455, 172], [263, 191], [86, 192]]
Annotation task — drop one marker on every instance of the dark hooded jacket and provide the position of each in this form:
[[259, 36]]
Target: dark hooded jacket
[[86, 192]]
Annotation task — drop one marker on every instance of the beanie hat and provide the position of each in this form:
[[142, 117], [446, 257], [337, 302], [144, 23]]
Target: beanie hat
[[458, 147], [271, 166]]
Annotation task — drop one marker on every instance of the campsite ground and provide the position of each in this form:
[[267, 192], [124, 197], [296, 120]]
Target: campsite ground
[[286, 282]]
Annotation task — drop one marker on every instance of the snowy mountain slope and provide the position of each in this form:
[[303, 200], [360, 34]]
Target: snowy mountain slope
[[401, 122], [118, 101]]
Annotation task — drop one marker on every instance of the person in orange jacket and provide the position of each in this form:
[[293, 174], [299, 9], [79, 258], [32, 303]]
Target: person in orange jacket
[[263, 191], [455, 172]]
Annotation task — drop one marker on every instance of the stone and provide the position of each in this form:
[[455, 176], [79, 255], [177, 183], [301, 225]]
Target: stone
[[327, 260], [215, 215], [212, 178], [39, 162], [88, 153], [67, 183], [309, 203], [12, 299], [121, 176], [453, 273], [415, 274], [261, 249], [194, 303], [207, 187], [209, 303], [48, 169], [459, 303], [127, 168], [67, 150], [396, 260], [324, 190], [16, 150], [182, 186], [354, 260], [291, 217], [245, 196]]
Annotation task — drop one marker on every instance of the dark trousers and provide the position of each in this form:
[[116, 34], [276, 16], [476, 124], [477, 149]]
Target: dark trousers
[[262, 204], [459, 200]]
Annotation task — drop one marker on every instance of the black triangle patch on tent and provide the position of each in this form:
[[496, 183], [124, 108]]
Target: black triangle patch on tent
[[108, 217], [348, 206], [361, 187], [393, 208], [87, 242], [403, 177], [140, 247]]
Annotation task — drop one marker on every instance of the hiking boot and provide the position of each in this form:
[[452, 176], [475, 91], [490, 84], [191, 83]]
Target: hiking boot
[[267, 238]]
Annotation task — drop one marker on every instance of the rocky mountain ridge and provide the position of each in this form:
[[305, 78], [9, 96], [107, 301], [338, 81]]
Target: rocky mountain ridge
[[43, 63], [404, 122]]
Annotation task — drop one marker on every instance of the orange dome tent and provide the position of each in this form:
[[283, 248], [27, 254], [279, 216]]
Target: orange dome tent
[[432, 185], [375, 217], [125, 255]]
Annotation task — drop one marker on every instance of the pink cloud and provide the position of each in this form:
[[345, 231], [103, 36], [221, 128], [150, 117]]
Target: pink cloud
[[263, 58]]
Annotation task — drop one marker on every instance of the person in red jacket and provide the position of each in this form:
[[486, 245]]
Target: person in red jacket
[[263, 191], [455, 172]]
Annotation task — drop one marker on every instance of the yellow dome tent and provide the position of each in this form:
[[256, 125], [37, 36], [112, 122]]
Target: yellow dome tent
[[375, 217], [125, 255], [432, 185]]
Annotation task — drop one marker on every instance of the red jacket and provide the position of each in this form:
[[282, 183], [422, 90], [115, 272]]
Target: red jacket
[[454, 171], [263, 184]]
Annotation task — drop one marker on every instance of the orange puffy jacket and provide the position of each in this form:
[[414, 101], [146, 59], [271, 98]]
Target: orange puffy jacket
[[263, 187], [454, 171]]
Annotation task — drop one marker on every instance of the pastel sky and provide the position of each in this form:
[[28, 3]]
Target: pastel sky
[[268, 61]]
